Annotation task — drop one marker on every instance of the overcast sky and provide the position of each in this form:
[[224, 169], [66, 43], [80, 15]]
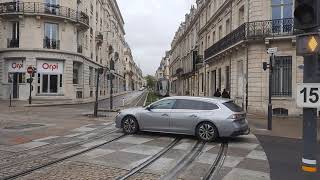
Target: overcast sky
[[150, 26]]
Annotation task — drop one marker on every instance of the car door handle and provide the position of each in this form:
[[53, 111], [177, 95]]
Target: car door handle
[[193, 116], [164, 115]]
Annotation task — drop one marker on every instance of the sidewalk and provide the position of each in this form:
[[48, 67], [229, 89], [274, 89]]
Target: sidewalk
[[46, 102], [289, 127]]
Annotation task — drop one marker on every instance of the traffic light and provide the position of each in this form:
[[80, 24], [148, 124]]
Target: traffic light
[[308, 44], [306, 14], [265, 65]]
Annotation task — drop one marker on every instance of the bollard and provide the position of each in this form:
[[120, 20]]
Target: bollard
[[123, 102]]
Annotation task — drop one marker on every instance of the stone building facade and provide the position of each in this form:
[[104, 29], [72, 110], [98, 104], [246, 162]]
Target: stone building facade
[[163, 70], [222, 45], [67, 41], [133, 73]]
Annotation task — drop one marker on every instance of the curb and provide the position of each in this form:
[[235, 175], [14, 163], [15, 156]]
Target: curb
[[69, 103]]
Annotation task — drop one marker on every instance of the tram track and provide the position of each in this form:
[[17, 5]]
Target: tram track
[[150, 160], [183, 163], [58, 160], [217, 164], [42, 160]]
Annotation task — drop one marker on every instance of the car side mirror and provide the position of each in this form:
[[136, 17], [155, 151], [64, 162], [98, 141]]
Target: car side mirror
[[148, 108]]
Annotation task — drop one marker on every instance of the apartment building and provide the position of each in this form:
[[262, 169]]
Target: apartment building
[[67, 41], [133, 73], [222, 45]]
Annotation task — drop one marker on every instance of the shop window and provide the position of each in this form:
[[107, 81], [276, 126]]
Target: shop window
[[17, 77]]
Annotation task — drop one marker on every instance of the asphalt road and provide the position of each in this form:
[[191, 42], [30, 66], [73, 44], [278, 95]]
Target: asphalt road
[[284, 155]]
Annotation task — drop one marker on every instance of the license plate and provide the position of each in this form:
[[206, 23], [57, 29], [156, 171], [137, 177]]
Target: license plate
[[308, 95]]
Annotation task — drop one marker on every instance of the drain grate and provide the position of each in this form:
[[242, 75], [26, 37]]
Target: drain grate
[[24, 126]]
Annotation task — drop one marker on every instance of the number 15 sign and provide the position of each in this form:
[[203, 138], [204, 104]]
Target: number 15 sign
[[308, 95]]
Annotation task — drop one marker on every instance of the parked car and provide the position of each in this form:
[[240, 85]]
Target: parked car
[[141, 89], [206, 118]]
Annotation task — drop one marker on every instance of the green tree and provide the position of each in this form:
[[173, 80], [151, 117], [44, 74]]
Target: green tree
[[151, 81]]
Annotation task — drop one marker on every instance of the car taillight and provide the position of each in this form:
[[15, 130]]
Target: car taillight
[[237, 116]]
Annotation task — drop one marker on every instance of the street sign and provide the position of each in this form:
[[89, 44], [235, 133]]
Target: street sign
[[272, 50], [30, 70], [308, 95]]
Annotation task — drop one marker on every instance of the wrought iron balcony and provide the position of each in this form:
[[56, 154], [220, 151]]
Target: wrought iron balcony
[[13, 43], [256, 30], [51, 43], [36, 8]]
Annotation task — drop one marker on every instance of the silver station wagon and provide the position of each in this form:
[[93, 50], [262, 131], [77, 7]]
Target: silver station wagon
[[206, 118]]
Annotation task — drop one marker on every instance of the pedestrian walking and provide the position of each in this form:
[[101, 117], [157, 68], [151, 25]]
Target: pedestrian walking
[[217, 93]]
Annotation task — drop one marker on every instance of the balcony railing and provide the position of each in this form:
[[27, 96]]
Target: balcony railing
[[43, 8], [256, 30], [51, 43], [13, 43]]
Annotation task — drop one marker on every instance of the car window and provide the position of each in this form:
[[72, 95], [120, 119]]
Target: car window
[[164, 104], [233, 106], [208, 106], [195, 105]]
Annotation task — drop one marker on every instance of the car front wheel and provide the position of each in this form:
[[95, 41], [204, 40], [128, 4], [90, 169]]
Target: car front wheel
[[129, 125], [207, 131]]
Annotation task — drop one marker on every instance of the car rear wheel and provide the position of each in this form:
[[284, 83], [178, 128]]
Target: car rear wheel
[[129, 125], [207, 131]]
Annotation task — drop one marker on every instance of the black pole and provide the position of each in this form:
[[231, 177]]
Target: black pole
[[10, 100], [95, 111], [270, 94], [30, 82], [111, 91], [310, 118]]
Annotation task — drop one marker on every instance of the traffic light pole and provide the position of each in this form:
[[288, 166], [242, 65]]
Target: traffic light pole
[[270, 93], [309, 162]]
